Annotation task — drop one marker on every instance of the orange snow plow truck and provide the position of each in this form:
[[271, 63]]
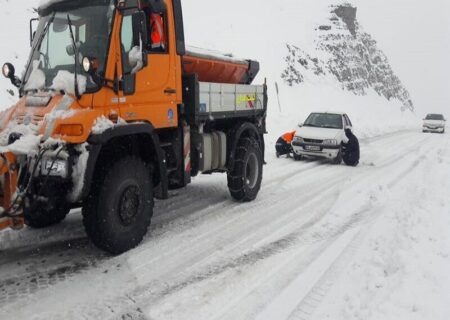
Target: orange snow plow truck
[[115, 111]]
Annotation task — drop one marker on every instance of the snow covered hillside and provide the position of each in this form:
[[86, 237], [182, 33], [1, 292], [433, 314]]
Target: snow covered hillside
[[350, 55]]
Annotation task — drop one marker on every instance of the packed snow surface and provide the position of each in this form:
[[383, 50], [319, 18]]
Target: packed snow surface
[[320, 242]]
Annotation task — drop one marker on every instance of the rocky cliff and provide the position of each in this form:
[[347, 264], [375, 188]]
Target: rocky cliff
[[343, 51]]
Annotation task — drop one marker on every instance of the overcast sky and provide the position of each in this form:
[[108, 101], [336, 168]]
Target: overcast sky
[[416, 37]]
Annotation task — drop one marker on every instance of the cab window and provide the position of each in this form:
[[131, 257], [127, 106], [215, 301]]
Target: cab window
[[157, 27], [126, 39]]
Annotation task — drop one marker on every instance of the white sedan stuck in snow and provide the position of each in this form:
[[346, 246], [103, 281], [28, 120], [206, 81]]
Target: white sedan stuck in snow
[[325, 135]]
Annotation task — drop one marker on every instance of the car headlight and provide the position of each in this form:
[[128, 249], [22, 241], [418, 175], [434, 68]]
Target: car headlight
[[298, 139], [330, 142], [55, 167]]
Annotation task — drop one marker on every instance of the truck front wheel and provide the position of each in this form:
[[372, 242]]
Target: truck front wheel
[[118, 212], [244, 181]]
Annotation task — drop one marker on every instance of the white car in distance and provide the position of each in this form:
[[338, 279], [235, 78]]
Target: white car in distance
[[322, 135], [434, 123]]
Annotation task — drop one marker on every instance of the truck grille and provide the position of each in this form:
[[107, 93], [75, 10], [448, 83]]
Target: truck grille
[[313, 141], [27, 119]]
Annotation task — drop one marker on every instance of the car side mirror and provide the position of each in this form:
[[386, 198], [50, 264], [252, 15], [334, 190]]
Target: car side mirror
[[300, 124]]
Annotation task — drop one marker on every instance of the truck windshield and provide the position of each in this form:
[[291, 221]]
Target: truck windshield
[[52, 61], [324, 120]]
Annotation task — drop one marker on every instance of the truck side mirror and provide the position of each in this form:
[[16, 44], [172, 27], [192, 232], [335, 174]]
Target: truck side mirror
[[300, 124], [9, 72], [140, 34]]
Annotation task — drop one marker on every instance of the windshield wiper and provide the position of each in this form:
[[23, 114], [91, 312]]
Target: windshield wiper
[[77, 93]]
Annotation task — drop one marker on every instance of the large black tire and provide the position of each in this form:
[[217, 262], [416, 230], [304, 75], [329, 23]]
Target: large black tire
[[119, 209], [244, 182], [297, 157], [45, 215]]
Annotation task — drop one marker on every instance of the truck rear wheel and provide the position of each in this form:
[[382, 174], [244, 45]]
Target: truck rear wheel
[[244, 182], [45, 215], [118, 212]]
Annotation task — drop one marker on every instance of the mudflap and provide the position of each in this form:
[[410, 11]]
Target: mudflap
[[11, 216]]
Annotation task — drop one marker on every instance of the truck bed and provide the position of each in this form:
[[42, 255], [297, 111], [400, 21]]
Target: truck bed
[[218, 99], [213, 66], [210, 101]]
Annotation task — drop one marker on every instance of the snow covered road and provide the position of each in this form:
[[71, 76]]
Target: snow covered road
[[321, 242]]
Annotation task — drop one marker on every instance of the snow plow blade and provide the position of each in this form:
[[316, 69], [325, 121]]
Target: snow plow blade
[[8, 173]]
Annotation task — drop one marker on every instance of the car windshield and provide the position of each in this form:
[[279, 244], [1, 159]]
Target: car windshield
[[435, 117], [324, 120], [52, 61]]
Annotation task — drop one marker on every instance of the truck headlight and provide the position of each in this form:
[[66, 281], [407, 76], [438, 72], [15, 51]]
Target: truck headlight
[[330, 142], [298, 139], [54, 168]]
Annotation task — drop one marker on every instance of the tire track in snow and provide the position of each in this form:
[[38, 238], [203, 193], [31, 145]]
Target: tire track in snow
[[303, 308], [262, 205], [201, 277]]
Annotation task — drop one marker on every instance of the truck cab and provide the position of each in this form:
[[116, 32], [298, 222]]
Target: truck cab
[[115, 110]]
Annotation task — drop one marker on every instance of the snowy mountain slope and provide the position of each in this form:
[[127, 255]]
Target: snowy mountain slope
[[348, 54]]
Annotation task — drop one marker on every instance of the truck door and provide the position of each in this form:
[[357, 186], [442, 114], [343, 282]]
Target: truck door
[[149, 93]]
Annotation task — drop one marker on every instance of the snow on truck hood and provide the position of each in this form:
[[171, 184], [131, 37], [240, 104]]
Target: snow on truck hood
[[318, 133], [34, 124]]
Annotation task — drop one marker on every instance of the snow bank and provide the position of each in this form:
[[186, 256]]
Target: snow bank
[[102, 124], [27, 144], [65, 81], [36, 80]]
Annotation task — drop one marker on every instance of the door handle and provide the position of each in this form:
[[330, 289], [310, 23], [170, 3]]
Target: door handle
[[170, 91]]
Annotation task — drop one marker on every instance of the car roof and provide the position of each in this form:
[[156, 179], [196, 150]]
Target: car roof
[[329, 112]]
